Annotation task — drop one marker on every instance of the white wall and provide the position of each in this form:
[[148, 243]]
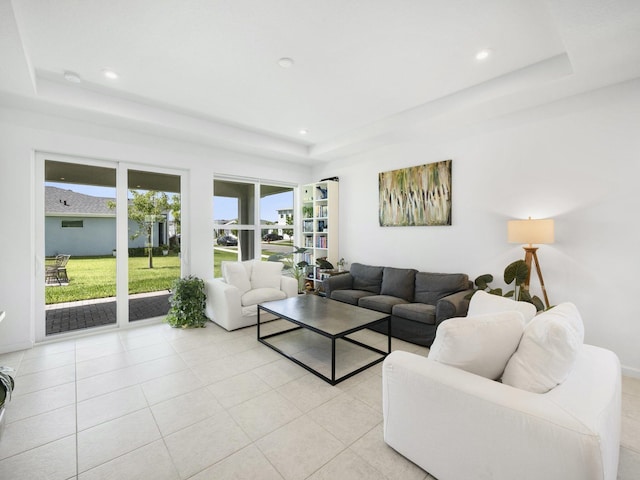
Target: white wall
[[22, 133], [576, 161]]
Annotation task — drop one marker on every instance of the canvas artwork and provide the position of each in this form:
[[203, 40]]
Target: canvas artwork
[[419, 195]]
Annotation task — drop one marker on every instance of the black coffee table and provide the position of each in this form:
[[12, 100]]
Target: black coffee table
[[329, 318]]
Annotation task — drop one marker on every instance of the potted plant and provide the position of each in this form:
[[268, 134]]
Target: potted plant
[[516, 273], [6, 388], [187, 303], [165, 249], [297, 269]]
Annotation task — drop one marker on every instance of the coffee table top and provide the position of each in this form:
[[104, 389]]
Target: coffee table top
[[323, 314]]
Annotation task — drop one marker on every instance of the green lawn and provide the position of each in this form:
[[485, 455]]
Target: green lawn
[[95, 277]]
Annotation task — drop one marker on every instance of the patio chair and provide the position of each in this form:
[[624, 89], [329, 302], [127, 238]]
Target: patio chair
[[58, 271]]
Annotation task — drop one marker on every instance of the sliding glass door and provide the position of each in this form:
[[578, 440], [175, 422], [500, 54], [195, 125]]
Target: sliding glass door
[[79, 241], [154, 241], [111, 237]]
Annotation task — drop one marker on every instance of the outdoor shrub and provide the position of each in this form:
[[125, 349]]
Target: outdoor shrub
[[187, 303], [144, 251]]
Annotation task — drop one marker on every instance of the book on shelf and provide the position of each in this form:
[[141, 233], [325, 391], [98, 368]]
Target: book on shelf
[[307, 226], [322, 210]]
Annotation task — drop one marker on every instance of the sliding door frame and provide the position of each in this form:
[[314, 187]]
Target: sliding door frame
[[122, 239]]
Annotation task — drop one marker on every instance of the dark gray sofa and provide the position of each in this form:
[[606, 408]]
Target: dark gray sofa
[[417, 301]]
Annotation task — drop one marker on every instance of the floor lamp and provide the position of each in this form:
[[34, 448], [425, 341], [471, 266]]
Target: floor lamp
[[532, 231]]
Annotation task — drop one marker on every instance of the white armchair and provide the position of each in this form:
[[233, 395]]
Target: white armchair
[[555, 415], [232, 300]]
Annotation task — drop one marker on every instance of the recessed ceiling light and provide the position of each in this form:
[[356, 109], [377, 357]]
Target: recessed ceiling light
[[285, 62], [303, 131], [483, 54], [72, 77], [110, 74]]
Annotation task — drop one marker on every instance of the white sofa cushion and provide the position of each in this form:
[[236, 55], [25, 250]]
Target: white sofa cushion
[[548, 350], [237, 274], [259, 295], [480, 344], [266, 274], [483, 302]]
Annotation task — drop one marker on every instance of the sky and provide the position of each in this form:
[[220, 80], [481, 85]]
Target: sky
[[224, 208]]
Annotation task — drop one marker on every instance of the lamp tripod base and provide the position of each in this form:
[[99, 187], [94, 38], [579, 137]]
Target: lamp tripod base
[[529, 257]]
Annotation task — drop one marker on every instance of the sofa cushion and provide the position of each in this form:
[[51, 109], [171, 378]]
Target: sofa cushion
[[235, 273], [266, 275], [418, 312], [259, 295], [483, 302], [398, 282], [548, 350], [380, 303], [366, 277], [349, 296], [481, 344], [431, 287]]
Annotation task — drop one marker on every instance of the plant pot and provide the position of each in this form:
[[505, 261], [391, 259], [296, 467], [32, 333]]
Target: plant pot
[[3, 397]]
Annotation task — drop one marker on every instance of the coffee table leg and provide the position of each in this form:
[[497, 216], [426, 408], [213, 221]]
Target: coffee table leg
[[258, 324], [389, 334], [333, 361]]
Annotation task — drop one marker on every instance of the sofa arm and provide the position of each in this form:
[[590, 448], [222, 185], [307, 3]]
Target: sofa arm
[[223, 302], [454, 305], [344, 281], [455, 424], [289, 285]]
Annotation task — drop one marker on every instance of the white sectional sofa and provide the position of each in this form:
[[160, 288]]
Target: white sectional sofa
[[561, 423]]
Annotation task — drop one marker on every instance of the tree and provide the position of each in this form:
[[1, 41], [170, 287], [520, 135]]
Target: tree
[[288, 231], [146, 209], [175, 207]]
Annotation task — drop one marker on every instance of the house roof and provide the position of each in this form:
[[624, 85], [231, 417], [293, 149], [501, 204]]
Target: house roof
[[67, 202]]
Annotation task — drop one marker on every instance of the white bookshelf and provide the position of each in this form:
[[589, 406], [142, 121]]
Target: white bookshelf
[[320, 224]]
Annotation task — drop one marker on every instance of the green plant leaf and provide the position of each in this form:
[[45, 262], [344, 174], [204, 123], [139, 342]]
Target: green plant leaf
[[538, 303], [517, 271], [482, 282]]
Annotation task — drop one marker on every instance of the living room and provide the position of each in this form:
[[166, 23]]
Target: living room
[[555, 137]]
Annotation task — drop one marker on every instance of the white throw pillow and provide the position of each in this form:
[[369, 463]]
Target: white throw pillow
[[235, 273], [548, 350], [483, 302], [481, 344], [266, 275]]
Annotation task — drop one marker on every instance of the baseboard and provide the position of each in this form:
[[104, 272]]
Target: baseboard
[[630, 372], [15, 347]]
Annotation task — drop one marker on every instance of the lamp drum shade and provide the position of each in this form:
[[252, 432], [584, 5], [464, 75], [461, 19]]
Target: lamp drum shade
[[530, 231]]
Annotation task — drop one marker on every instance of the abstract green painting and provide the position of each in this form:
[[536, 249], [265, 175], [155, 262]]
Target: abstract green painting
[[418, 195]]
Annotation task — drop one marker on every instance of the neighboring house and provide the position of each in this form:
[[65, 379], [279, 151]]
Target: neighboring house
[[83, 225], [282, 218]]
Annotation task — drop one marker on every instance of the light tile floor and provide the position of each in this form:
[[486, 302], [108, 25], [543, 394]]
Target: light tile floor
[[160, 403]]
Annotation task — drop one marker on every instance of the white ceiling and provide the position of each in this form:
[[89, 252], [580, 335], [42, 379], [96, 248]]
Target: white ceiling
[[207, 70]]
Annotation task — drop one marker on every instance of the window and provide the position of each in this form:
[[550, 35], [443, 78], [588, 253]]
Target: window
[[72, 223], [240, 232]]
